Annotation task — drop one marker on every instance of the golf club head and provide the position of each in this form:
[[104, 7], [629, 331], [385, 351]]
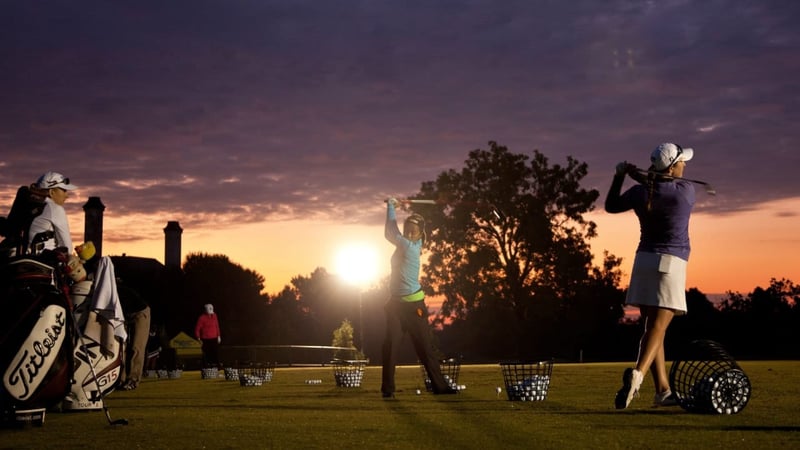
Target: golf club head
[[114, 422]]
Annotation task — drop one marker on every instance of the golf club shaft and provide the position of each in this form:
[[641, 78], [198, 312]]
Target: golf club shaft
[[420, 201], [649, 172], [709, 189], [417, 201]]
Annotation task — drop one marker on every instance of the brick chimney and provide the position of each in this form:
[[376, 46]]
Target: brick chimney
[[93, 223], [172, 244]]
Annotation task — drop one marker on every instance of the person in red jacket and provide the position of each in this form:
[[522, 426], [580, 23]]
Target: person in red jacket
[[207, 332]]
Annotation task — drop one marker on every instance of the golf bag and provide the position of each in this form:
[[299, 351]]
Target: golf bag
[[97, 353], [42, 357], [36, 337], [36, 327]]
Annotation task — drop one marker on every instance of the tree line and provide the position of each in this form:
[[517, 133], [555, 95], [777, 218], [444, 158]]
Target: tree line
[[510, 260]]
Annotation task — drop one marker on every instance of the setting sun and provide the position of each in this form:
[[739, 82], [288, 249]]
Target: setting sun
[[357, 263]]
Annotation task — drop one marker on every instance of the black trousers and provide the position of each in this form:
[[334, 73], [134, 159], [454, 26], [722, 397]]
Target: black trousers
[[210, 353], [412, 318]]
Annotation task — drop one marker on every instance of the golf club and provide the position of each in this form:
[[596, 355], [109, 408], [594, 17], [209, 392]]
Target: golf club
[[419, 201], [709, 190], [84, 349]]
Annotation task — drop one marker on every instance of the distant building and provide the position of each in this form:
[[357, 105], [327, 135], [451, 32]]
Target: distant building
[[160, 285]]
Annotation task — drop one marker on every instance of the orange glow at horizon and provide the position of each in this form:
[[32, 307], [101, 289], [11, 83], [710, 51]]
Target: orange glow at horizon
[[736, 252]]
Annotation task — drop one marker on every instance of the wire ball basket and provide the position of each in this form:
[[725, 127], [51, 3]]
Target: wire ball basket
[[231, 373], [527, 381], [450, 369], [709, 380], [348, 373], [255, 374], [209, 373]]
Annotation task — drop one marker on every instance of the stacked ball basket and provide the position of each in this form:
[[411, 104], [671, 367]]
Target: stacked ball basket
[[231, 374], [348, 373], [255, 374], [709, 380], [450, 369], [527, 381], [209, 373]]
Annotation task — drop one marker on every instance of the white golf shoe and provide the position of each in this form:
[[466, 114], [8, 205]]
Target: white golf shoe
[[631, 381]]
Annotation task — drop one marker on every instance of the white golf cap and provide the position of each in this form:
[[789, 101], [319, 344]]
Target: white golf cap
[[52, 180], [667, 154]]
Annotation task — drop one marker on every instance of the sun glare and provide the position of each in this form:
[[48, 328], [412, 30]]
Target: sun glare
[[357, 263]]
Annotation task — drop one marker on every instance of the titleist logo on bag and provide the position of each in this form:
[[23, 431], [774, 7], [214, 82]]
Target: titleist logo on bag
[[30, 365]]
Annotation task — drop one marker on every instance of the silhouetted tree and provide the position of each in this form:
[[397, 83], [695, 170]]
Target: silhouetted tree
[[327, 301], [703, 320], [508, 249], [764, 323], [288, 319], [591, 316], [235, 292]]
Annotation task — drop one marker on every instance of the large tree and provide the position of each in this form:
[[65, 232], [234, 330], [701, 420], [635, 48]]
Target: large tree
[[508, 245], [764, 323], [235, 292]]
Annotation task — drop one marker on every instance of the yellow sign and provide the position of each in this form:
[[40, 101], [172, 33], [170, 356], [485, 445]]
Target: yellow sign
[[185, 345]]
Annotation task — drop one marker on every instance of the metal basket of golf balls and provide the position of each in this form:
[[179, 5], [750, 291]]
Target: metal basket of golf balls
[[208, 373], [231, 373], [348, 373], [709, 380], [255, 374], [527, 381], [450, 369]]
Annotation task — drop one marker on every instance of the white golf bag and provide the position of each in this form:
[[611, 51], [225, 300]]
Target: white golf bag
[[97, 355]]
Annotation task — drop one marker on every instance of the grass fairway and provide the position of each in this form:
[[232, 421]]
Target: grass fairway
[[192, 413]]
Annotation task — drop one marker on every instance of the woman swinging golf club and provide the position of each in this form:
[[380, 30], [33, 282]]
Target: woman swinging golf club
[[406, 311], [663, 205]]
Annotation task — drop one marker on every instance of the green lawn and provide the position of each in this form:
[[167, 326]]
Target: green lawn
[[192, 413]]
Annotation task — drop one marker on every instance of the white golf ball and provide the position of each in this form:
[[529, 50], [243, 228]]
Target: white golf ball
[[499, 389], [418, 392]]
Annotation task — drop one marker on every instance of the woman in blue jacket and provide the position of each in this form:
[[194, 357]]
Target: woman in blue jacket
[[663, 204], [406, 311]]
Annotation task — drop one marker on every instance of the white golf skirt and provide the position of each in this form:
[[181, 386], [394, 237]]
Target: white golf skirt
[[658, 280]]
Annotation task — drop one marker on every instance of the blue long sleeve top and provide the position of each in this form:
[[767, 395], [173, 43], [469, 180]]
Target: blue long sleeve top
[[404, 279], [665, 227]]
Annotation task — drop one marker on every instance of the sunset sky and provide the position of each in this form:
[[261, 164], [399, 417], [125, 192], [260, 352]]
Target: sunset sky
[[273, 130]]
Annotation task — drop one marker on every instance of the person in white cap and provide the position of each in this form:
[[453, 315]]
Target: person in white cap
[[53, 219], [52, 223], [663, 204], [206, 330]]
